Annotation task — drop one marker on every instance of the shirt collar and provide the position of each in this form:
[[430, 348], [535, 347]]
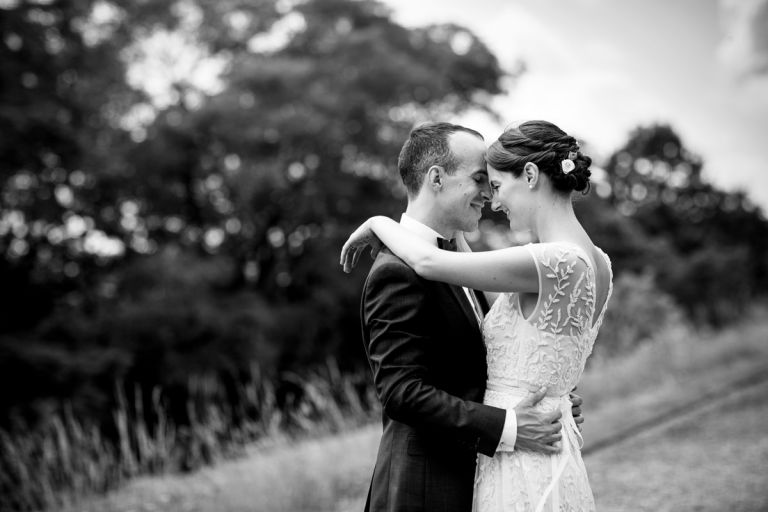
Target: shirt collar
[[422, 230]]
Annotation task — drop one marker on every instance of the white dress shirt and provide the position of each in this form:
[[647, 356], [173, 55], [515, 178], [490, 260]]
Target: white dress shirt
[[509, 433]]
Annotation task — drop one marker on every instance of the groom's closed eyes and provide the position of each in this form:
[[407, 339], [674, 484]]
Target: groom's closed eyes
[[481, 177]]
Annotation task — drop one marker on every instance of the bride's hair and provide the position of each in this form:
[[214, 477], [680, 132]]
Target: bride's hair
[[546, 145]]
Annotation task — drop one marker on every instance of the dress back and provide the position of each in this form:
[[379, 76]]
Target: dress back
[[550, 347]]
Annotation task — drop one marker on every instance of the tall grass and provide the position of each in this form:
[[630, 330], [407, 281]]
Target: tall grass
[[675, 355], [674, 368], [65, 457], [333, 472]]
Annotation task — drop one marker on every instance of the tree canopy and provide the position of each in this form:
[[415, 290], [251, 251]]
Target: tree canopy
[[178, 176]]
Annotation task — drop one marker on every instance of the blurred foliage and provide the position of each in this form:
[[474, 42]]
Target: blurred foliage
[[177, 178], [708, 248], [638, 313], [683, 251]]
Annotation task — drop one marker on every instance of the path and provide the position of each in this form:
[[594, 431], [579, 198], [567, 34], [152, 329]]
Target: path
[[710, 461]]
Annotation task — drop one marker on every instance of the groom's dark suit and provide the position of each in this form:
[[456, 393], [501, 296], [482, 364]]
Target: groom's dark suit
[[428, 361]]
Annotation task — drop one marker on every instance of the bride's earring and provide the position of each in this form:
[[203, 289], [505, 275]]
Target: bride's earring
[[531, 174]]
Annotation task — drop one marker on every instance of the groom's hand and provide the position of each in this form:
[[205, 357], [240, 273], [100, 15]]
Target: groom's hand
[[576, 402], [536, 430]]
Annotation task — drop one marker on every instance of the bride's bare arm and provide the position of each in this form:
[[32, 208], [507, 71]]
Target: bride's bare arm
[[511, 269], [463, 246]]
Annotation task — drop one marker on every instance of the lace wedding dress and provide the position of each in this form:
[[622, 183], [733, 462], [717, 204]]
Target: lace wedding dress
[[550, 348]]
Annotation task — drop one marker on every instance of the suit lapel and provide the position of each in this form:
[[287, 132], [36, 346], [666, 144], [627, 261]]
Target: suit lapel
[[482, 301], [458, 294]]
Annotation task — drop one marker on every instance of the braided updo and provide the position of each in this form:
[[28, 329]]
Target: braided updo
[[545, 145]]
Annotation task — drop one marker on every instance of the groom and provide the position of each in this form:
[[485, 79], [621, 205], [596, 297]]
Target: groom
[[425, 347]]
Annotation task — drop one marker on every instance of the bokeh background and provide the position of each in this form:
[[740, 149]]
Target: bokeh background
[[177, 178]]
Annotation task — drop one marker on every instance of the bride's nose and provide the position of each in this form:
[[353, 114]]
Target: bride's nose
[[495, 206]]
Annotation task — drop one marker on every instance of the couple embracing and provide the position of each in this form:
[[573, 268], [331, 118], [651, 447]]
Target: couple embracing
[[475, 355]]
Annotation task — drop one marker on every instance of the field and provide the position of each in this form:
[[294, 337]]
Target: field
[[705, 447], [710, 461]]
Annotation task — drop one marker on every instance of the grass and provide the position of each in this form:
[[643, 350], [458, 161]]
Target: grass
[[323, 474], [65, 459], [708, 462], [667, 373], [331, 473]]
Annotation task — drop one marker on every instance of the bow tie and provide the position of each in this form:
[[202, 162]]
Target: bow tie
[[447, 245]]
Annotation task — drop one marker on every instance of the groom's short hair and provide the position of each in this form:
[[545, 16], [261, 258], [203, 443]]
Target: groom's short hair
[[427, 145]]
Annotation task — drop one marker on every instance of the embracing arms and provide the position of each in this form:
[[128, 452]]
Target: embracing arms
[[400, 345], [504, 270]]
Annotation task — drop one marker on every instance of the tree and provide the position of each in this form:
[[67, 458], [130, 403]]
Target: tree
[[275, 170], [708, 247], [197, 230]]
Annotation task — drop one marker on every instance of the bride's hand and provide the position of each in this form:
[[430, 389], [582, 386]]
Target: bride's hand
[[356, 243]]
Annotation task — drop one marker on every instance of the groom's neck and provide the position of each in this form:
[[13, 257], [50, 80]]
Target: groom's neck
[[428, 215]]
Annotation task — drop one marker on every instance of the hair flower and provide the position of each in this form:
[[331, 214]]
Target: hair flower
[[567, 165]]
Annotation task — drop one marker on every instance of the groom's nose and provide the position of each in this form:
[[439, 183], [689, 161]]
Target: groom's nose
[[486, 193]]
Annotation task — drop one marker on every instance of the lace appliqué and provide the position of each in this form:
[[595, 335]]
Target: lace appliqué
[[550, 348]]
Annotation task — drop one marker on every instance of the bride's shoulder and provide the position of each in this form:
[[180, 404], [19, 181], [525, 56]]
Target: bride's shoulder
[[558, 261], [562, 251]]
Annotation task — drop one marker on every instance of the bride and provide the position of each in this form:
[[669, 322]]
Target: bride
[[549, 300]]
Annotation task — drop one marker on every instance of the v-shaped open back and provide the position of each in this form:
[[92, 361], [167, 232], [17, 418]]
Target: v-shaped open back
[[603, 285], [562, 327], [548, 348]]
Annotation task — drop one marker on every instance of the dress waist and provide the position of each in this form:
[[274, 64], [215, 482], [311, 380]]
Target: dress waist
[[571, 441], [521, 389]]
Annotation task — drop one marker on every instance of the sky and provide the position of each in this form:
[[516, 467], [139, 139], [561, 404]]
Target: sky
[[599, 68]]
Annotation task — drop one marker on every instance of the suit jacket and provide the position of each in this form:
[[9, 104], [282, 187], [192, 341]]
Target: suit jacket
[[427, 357]]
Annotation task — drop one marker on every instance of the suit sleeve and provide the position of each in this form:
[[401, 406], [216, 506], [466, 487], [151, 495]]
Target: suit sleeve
[[399, 344]]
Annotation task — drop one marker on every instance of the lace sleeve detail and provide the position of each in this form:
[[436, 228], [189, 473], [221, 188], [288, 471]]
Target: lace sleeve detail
[[566, 304]]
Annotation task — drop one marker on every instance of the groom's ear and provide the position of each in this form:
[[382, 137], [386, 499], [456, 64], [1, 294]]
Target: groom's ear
[[435, 177]]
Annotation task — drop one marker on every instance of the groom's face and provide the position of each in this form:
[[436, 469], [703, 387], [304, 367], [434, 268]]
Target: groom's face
[[467, 189]]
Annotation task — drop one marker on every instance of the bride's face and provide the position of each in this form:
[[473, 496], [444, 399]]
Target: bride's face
[[512, 196]]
